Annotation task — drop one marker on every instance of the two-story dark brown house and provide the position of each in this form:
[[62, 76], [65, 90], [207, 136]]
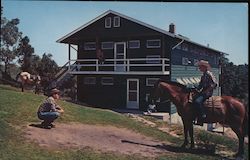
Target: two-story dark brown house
[[120, 58]]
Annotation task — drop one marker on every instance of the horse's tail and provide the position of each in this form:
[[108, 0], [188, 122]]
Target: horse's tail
[[245, 123]]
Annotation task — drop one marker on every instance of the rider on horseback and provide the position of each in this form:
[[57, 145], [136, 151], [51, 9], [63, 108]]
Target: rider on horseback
[[205, 88]]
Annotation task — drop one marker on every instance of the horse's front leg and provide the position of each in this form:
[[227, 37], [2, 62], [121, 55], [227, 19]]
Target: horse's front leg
[[185, 135], [22, 87], [191, 134]]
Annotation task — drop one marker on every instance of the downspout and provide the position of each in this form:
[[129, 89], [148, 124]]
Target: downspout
[[171, 72], [178, 44], [172, 52]]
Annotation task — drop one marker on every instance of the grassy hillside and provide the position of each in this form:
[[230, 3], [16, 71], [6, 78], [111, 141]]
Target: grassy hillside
[[17, 110]]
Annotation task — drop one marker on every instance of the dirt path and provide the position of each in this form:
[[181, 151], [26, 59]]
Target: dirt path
[[99, 138]]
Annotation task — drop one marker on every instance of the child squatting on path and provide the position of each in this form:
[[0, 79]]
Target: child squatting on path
[[49, 110]]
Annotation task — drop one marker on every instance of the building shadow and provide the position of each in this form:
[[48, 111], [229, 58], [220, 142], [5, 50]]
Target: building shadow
[[178, 149]]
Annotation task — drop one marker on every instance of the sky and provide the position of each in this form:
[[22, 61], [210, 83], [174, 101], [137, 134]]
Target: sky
[[224, 26]]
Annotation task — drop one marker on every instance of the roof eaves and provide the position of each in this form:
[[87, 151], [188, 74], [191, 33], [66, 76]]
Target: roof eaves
[[121, 15], [136, 21], [144, 24], [83, 26]]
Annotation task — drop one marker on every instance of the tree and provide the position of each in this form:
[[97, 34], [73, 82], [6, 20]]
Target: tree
[[234, 80], [36, 63], [25, 53], [10, 37], [47, 69]]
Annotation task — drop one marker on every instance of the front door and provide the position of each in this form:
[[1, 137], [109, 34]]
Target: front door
[[120, 55], [133, 93]]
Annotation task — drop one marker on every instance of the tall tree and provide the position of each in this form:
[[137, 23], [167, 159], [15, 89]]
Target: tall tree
[[25, 53], [10, 37], [47, 69], [234, 80], [36, 63]]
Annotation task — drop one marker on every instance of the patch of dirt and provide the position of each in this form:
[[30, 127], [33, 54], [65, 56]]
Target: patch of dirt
[[100, 138]]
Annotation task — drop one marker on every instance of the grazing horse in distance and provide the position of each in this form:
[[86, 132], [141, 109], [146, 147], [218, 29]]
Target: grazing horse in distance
[[228, 111], [26, 78]]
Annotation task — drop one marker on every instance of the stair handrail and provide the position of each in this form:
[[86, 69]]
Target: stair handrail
[[64, 69]]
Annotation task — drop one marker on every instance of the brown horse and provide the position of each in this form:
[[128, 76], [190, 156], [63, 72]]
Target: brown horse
[[230, 111], [26, 78]]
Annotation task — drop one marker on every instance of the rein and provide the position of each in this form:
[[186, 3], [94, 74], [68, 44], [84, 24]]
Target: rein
[[168, 100]]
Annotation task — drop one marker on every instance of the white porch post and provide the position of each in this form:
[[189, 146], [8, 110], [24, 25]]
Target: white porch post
[[69, 56]]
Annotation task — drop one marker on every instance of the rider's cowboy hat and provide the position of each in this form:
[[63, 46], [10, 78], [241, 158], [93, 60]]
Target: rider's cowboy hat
[[204, 63], [54, 91]]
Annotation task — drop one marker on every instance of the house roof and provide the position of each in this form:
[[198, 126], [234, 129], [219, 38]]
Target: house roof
[[136, 21]]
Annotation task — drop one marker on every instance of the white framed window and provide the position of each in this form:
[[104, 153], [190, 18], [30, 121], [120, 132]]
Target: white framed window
[[134, 44], [108, 22], [89, 80], [151, 81], [154, 43], [107, 45], [185, 61], [116, 21], [147, 97], [107, 81], [89, 46], [153, 59], [196, 62]]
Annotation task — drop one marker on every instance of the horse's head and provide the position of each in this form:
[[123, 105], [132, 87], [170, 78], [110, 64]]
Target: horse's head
[[173, 91], [156, 95]]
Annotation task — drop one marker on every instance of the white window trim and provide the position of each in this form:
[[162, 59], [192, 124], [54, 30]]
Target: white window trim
[[153, 61], [148, 79], [154, 46], [116, 18], [89, 49], [184, 62], [196, 62], [89, 80], [107, 83], [147, 97], [139, 44], [106, 22], [108, 48]]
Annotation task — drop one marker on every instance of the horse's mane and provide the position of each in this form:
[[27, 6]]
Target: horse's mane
[[173, 83]]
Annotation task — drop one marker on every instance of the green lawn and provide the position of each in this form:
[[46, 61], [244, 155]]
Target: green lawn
[[18, 109]]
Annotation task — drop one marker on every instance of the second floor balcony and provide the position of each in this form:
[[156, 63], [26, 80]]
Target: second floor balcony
[[136, 66]]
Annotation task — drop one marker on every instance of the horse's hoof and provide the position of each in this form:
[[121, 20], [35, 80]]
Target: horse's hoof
[[238, 156], [191, 146], [183, 146]]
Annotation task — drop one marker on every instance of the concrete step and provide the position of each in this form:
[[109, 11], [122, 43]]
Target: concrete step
[[159, 115]]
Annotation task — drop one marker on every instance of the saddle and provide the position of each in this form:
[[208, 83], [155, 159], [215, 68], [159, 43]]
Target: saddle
[[213, 102]]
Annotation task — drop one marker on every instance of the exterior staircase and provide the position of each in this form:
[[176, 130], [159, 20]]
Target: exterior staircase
[[63, 76]]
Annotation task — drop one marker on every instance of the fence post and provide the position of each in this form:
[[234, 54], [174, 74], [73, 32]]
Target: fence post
[[97, 65], [163, 65], [128, 67]]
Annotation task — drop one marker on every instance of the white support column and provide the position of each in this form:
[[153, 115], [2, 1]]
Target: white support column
[[69, 56], [128, 67], [163, 65], [97, 65]]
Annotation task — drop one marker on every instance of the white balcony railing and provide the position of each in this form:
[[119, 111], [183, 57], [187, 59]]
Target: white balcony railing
[[120, 66]]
